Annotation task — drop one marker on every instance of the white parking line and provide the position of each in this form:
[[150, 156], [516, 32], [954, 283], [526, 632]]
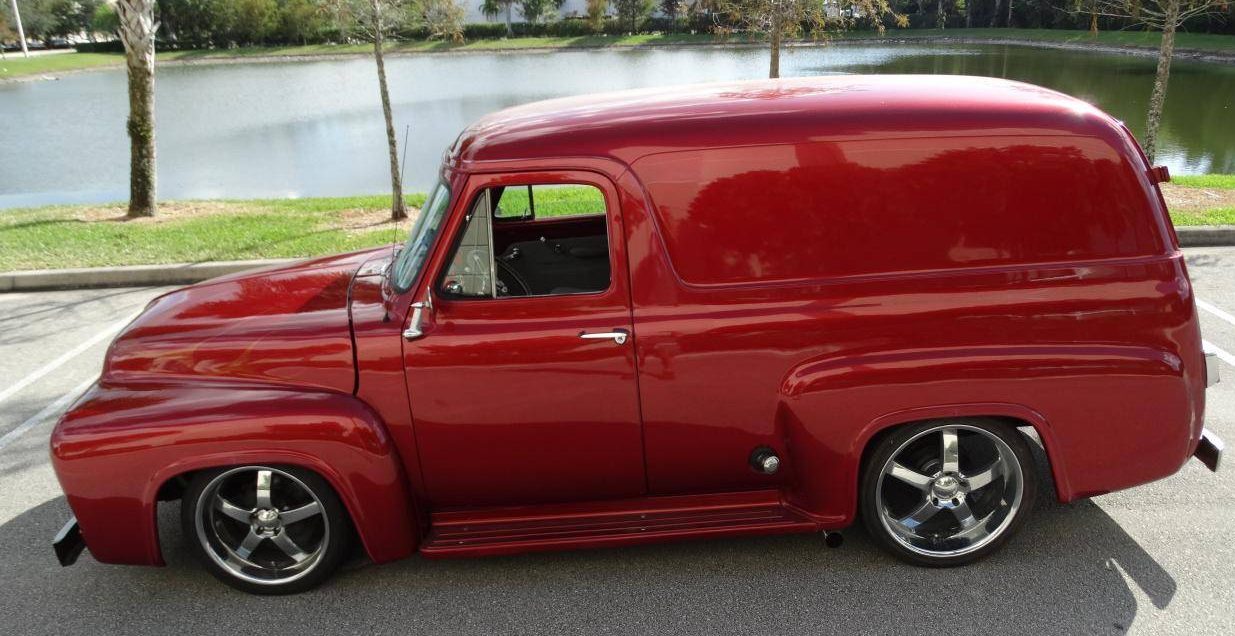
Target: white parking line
[[1223, 354], [1215, 311], [51, 409], [69, 355]]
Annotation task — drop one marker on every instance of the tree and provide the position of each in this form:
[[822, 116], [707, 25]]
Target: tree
[[633, 12], [536, 10], [671, 9], [105, 20], [21, 32], [596, 12], [443, 18], [6, 34], [137, 33], [778, 19], [375, 19], [37, 18], [301, 21], [1165, 16], [492, 7], [255, 20]]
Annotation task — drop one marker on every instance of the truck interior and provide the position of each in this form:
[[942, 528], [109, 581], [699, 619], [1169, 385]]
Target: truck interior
[[533, 240]]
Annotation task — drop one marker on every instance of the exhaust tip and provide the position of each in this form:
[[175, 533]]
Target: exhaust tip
[[833, 539]]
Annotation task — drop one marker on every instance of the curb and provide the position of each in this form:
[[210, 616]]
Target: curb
[[130, 276], [1205, 235], [188, 273]]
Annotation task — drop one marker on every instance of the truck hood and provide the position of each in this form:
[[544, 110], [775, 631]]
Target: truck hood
[[286, 325]]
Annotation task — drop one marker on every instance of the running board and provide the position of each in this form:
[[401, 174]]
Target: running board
[[496, 531]]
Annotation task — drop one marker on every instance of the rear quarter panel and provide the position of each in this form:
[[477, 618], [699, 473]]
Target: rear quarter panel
[[1053, 294]]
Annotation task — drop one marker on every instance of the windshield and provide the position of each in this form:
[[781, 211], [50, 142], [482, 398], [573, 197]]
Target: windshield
[[412, 258]]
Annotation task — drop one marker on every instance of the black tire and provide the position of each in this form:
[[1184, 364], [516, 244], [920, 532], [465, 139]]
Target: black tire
[[318, 538], [923, 537]]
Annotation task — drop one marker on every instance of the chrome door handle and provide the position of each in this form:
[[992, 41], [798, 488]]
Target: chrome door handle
[[619, 336]]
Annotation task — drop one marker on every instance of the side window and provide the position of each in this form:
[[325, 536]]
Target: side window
[[535, 202], [566, 254]]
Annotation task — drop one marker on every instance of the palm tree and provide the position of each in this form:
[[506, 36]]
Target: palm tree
[[492, 7], [137, 33]]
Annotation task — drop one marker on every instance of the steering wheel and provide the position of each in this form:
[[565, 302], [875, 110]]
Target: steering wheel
[[509, 280]]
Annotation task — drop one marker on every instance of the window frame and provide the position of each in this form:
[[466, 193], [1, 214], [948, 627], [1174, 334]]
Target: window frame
[[481, 184]]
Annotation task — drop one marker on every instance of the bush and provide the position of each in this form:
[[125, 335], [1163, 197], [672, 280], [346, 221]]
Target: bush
[[111, 46]]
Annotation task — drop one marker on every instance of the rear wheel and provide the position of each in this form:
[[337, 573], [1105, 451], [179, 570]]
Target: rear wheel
[[265, 529], [948, 492]]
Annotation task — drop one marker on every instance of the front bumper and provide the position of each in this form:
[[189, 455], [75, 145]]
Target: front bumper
[[68, 543], [1209, 451], [1211, 365]]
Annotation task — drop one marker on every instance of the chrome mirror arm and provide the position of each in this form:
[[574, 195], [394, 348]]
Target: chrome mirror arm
[[414, 330]]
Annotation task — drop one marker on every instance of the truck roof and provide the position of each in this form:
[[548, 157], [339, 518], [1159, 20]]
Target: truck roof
[[628, 124]]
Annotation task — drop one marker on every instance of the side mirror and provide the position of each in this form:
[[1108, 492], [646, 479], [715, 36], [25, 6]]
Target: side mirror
[[419, 311]]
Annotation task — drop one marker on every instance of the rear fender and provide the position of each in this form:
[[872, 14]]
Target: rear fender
[[118, 446], [1094, 407]]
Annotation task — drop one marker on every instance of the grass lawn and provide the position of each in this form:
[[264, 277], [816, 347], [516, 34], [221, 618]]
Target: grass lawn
[[196, 231], [1207, 199], [16, 66]]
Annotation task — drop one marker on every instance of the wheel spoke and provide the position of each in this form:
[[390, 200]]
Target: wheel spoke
[[950, 451], [984, 478], [263, 489], [246, 547], [289, 547], [300, 514], [964, 515], [974, 530], [919, 516], [231, 510], [910, 476]]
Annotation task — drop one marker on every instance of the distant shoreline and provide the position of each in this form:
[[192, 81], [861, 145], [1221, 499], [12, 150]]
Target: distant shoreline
[[1058, 40]]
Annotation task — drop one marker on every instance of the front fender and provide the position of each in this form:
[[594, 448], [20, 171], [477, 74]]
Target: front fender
[[119, 444]]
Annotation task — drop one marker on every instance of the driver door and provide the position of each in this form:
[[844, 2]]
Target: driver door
[[525, 396]]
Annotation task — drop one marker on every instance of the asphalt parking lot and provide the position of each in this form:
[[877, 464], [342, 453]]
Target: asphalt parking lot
[[1156, 559]]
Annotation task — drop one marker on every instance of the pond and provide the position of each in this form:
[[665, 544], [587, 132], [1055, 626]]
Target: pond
[[299, 129]]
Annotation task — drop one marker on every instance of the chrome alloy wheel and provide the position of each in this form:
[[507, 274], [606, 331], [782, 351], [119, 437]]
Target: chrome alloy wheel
[[949, 490], [262, 525]]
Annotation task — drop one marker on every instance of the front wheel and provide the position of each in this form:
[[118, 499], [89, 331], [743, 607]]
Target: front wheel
[[947, 492], [265, 529]]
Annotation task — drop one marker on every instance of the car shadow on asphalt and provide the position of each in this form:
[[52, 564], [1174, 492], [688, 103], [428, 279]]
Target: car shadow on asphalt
[[1072, 569]]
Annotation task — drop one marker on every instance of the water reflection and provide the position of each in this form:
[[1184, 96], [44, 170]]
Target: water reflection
[[315, 129]]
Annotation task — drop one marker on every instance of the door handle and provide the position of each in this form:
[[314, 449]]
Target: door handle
[[617, 335]]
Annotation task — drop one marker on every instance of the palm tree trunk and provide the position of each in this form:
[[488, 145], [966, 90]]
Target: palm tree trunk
[[510, 33], [774, 65], [995, 14], [968, 14], [398, 209], [1158, 97], [942, 20], [1009, 24], [1093, 21], [137, 33]]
